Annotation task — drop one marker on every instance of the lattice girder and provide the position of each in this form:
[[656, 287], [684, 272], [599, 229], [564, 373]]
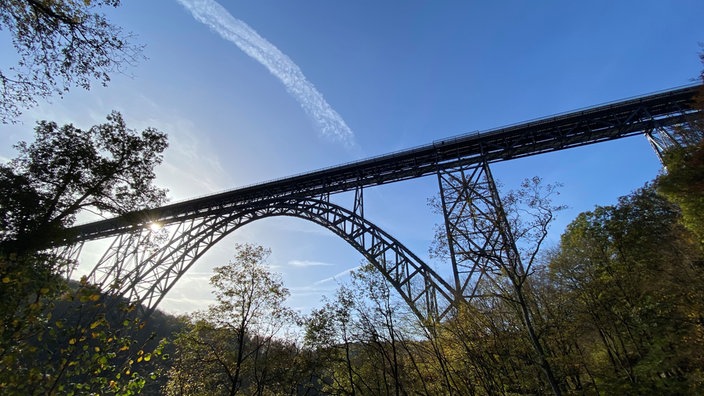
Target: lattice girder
[[69, 254], [478, 235], [428, 294]]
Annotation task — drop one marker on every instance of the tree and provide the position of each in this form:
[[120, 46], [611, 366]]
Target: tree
[[682, 182], [60, 44], [73, 346], [631, 283], [368, 341], [108, 169], [230, 347], [328, 331], [384, 324], [513, 229], [485, 350]]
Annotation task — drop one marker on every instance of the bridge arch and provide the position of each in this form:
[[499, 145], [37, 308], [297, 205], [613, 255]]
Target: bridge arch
[[154, 274]]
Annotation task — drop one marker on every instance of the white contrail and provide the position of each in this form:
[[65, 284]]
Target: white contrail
[[338, 275], [308, 263], [281, 66]]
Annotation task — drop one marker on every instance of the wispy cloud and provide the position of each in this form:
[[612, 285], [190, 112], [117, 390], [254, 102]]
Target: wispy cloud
[[336, 276], [281, 66], [307, 263]]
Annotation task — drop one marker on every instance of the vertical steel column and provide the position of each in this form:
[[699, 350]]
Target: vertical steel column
[[359, 202], [478, 235], [449, 192], [358, 208], [508, 242]]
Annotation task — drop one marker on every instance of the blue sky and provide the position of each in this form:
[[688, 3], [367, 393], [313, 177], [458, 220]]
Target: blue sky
[[397, 74]]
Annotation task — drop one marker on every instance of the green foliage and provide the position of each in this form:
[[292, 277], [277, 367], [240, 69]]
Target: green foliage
[[631, 282], [54, 339], [60, 44], [683, 184], [617, 309], [362, 340], [26, 282], [70, 346], [683, 180], [233, 347]]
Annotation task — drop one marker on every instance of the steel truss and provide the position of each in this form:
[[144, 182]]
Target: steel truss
[[479, 238], [648, 114], [144, 265], [665, 137], [69, 254]]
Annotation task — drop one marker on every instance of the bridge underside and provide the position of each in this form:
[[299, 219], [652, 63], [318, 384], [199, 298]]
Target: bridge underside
[[143, 265]]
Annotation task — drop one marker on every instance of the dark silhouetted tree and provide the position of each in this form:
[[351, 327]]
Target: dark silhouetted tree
[[60, 44], [107, 169]]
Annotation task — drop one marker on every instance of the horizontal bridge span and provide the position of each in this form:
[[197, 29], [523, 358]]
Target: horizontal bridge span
[[578, 128]]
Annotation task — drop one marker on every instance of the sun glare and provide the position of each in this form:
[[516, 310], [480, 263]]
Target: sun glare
[[154, 226]]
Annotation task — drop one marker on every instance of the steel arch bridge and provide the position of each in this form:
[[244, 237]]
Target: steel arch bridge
[[146, 269], [142, 264]]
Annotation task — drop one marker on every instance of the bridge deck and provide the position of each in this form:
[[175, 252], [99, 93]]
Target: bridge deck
[[593, 125]]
